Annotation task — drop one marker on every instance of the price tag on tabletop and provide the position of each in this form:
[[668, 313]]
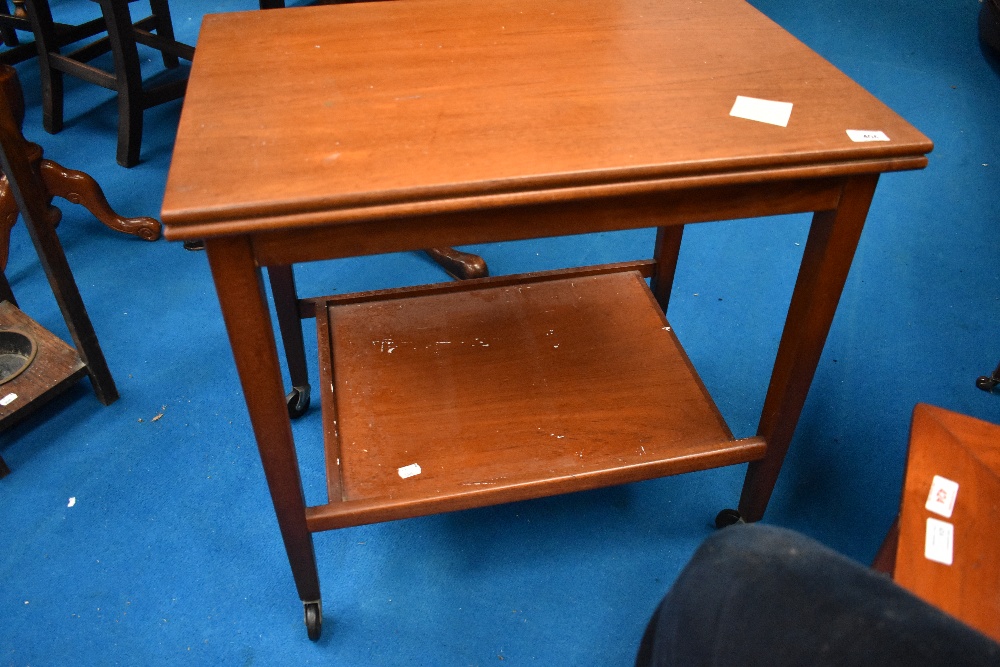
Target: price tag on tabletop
[[867, 135]]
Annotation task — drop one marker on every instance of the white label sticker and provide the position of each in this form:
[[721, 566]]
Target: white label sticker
[[867, 135], [941, 499], [8, 399], [409, 471], [763, 111], [940, 541]]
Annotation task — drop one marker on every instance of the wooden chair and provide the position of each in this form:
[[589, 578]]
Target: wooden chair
[[12, 22], [56, 366], [123, 36]]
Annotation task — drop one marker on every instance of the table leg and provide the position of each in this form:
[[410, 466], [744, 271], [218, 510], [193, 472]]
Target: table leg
[[239, 285], [833, 239], [665, 253], [286, 306]]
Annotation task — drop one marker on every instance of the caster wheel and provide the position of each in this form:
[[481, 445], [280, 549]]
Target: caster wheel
[[314, 620], [986, 383], [728, 517], [298, 401]]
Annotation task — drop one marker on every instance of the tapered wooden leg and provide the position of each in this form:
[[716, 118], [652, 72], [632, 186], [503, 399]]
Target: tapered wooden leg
[[833, 239], [286, 306], [665, 253], [4, 470], [248, 322]]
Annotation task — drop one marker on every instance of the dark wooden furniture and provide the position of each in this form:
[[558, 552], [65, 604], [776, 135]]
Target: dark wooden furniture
[[965, 451], [123, 36], [12, 21], [57, 181], [56, 365], [395, 126]]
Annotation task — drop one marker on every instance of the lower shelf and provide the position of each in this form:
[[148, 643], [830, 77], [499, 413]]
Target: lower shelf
[[458, 399]]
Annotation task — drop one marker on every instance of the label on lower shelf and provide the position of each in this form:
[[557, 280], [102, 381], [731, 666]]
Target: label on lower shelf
[[409, 471], [940, 541]]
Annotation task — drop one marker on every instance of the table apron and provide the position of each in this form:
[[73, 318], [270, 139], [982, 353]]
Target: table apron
[[563, 218]]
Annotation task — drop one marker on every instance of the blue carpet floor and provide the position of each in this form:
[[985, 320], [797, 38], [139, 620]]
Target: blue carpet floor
[[170, 552]]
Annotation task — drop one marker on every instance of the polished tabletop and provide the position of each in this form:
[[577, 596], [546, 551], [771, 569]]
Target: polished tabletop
[[383, 109]]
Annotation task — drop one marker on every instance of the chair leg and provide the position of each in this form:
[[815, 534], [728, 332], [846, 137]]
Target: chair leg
[[164, 28], [128, 76], [8, 35], [44, 29], [4, 470]]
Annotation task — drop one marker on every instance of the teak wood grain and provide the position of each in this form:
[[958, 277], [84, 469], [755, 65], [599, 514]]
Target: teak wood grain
[[380, 127], [508, 392], [398, 103]]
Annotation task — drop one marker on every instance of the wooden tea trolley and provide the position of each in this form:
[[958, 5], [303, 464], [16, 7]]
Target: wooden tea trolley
[[328, 132]]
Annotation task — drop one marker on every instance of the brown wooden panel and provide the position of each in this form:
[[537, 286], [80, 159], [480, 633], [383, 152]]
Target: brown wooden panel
[[966, 451], [540, 220]]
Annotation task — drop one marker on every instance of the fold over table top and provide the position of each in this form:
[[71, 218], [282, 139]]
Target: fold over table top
[[398, 106]]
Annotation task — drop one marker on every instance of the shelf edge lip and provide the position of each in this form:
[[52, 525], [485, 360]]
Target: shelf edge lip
[[309, 305], [344, 514], [186, 223]]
